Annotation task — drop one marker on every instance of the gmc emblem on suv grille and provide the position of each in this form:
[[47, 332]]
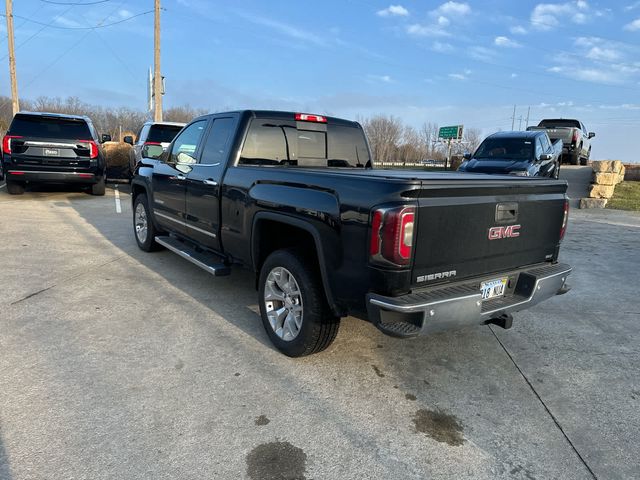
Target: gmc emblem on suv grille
[[510, 231]]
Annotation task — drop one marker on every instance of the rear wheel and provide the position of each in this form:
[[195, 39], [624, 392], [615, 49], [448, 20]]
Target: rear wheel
[[294, 311], [143, 227], [574, 159], [100, 187], [583, 161], [15, 188]]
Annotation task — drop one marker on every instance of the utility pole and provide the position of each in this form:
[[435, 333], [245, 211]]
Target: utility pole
[[12, 58], [157, 76], [520, 123], [513, 118], [528, 112]]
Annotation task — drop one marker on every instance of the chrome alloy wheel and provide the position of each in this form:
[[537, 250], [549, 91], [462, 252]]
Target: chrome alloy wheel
[[140, 223], [283, 303]]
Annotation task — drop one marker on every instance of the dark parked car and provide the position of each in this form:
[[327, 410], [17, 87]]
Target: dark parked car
[[528, 154], [53, 148], [292, 197], [152, 140]]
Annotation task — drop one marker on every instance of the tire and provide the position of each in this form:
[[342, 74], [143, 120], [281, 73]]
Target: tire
[[15, 188], [574, 159], [300, 294], [143, 227], [583, 161], [100, 187]]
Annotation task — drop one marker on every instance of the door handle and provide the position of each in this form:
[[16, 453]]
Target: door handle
[[180, 177], [210, 182]]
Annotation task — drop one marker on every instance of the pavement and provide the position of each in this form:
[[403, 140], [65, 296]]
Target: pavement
[[116, 363], [579, 179]]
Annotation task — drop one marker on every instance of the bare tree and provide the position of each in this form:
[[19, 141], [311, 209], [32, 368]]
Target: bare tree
[[184, 113], [384, 134]]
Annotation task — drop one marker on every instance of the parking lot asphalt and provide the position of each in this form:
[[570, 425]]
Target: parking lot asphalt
[[116, 363]]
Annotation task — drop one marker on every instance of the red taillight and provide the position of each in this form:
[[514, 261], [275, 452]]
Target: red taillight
[[392, 235], [6, 143], [307, 117], [152, 143], [93, 147], [565, 219], [575, 136]]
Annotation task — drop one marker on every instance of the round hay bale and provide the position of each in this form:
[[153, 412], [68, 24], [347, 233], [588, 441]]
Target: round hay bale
[[117, 153]]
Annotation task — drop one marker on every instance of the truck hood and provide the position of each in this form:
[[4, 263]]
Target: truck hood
[[494, 166]]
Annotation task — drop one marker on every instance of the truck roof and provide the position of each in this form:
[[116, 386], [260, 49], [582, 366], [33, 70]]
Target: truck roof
[[288, 116], [55, 115], [518, 134]]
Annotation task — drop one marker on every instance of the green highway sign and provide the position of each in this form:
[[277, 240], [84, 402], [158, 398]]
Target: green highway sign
[[453, 132]]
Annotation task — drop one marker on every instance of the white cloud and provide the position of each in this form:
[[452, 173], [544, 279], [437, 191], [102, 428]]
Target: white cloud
[[458, 76], [633, 26], [546, 16], [632, 6], [124, 13], [453, 8], [393, 11], [588, 74], [66, 22], [380, 78], [605, 54], [440, 18], [442, 47], [518, 30], [286, 29], [505, 42], [426, 31], [514, 75], [483, 54]]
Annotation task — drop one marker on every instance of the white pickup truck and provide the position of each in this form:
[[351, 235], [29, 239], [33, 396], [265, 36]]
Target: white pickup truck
[[576, 140]]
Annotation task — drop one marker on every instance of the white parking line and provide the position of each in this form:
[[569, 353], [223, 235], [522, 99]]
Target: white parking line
[[118, 206]]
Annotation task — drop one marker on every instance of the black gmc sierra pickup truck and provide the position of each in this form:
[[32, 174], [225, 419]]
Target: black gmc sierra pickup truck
[[294, 197]]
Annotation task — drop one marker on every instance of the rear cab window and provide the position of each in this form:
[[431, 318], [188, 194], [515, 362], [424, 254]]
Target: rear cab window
[[42, 126], [280, 141], [163, 133]]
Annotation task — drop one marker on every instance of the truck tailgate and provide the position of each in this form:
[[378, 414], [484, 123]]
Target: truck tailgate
[[477, 229]]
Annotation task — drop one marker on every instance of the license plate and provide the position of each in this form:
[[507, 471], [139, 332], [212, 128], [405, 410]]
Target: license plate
[[493, 288], [52, 152]]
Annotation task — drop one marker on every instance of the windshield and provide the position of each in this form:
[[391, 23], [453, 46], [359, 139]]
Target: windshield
[[559, 123], [37, 126], [505, 149]]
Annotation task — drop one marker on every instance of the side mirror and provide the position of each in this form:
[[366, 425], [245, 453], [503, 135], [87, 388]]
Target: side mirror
[[106, 138], [546, 156], [592, 134], [466, 156], [152, 151], [128, 139]]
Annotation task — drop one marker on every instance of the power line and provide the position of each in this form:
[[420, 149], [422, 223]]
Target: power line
[[84, 28]]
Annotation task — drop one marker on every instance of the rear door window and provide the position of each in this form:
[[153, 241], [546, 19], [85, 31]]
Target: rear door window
[[216, 147], [36, 126], [163, 133]]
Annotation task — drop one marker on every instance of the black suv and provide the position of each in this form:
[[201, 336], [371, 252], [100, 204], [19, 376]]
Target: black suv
[[53, 148]]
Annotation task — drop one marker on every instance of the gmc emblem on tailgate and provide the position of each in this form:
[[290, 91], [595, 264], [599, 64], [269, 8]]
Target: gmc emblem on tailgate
[[510, 231]]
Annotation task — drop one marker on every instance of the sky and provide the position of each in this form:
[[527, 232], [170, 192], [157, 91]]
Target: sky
[[447, 62]]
